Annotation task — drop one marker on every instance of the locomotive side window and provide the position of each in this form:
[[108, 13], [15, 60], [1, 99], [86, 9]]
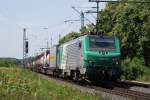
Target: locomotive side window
[[97, 43]]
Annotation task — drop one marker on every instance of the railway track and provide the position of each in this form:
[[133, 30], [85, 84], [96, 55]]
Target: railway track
[[122, 89], [134, 95], [136, 83], [111, 88]]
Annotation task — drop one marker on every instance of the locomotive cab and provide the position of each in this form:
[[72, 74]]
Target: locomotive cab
[[102, 57]]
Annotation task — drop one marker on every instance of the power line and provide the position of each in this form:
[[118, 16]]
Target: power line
[[85, 7], [82, 15], [70, 20], [91, 13]]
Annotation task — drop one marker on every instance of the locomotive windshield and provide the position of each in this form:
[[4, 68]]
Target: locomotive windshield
[[98, 43]]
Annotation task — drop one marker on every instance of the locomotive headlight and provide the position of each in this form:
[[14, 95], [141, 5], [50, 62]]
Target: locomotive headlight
[[117, 62], [91, 62]]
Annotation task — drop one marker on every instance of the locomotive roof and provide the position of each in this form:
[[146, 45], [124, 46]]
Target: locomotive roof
[[81, 37]]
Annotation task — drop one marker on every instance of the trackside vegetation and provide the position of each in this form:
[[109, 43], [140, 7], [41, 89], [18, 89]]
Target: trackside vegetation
[[22, 84], [9, 62], [134, 69]]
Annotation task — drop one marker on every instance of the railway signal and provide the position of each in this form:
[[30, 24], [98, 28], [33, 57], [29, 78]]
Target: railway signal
[[25, 48]]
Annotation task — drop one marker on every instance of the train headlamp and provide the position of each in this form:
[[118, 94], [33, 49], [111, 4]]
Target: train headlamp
[[117, 62], [90, 61]]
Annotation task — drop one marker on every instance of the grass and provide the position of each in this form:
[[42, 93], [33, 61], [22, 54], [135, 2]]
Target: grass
[[22, 84]]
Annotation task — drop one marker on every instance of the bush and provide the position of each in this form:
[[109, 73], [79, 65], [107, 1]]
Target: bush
[[134, 69], [146, 76]]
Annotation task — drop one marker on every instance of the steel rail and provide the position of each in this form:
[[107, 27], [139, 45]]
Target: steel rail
[[127, 93]]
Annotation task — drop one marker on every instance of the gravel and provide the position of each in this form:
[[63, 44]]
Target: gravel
[[85, 89], [140, 89]]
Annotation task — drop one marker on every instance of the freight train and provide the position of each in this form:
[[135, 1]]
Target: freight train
[[89, 57]]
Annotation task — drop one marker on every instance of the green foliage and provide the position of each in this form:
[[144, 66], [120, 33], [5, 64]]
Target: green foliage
[[134, 69], [131, 23], [9, 62], [89, 29], [69, 37], [22, 84], [146, 77]]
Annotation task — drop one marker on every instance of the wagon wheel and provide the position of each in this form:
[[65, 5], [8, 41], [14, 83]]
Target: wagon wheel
[[74, 76], [45, 71]]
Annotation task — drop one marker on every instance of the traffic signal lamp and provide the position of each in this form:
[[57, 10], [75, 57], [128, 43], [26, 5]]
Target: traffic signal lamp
[[26, 46]]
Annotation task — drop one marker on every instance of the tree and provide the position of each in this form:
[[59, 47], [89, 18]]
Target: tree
[[69, 37], [131, 23]]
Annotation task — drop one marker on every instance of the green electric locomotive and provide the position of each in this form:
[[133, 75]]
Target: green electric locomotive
[[101, 57], [90, 56]]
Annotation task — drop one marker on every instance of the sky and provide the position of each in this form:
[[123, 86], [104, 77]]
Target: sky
[[43, 19]]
